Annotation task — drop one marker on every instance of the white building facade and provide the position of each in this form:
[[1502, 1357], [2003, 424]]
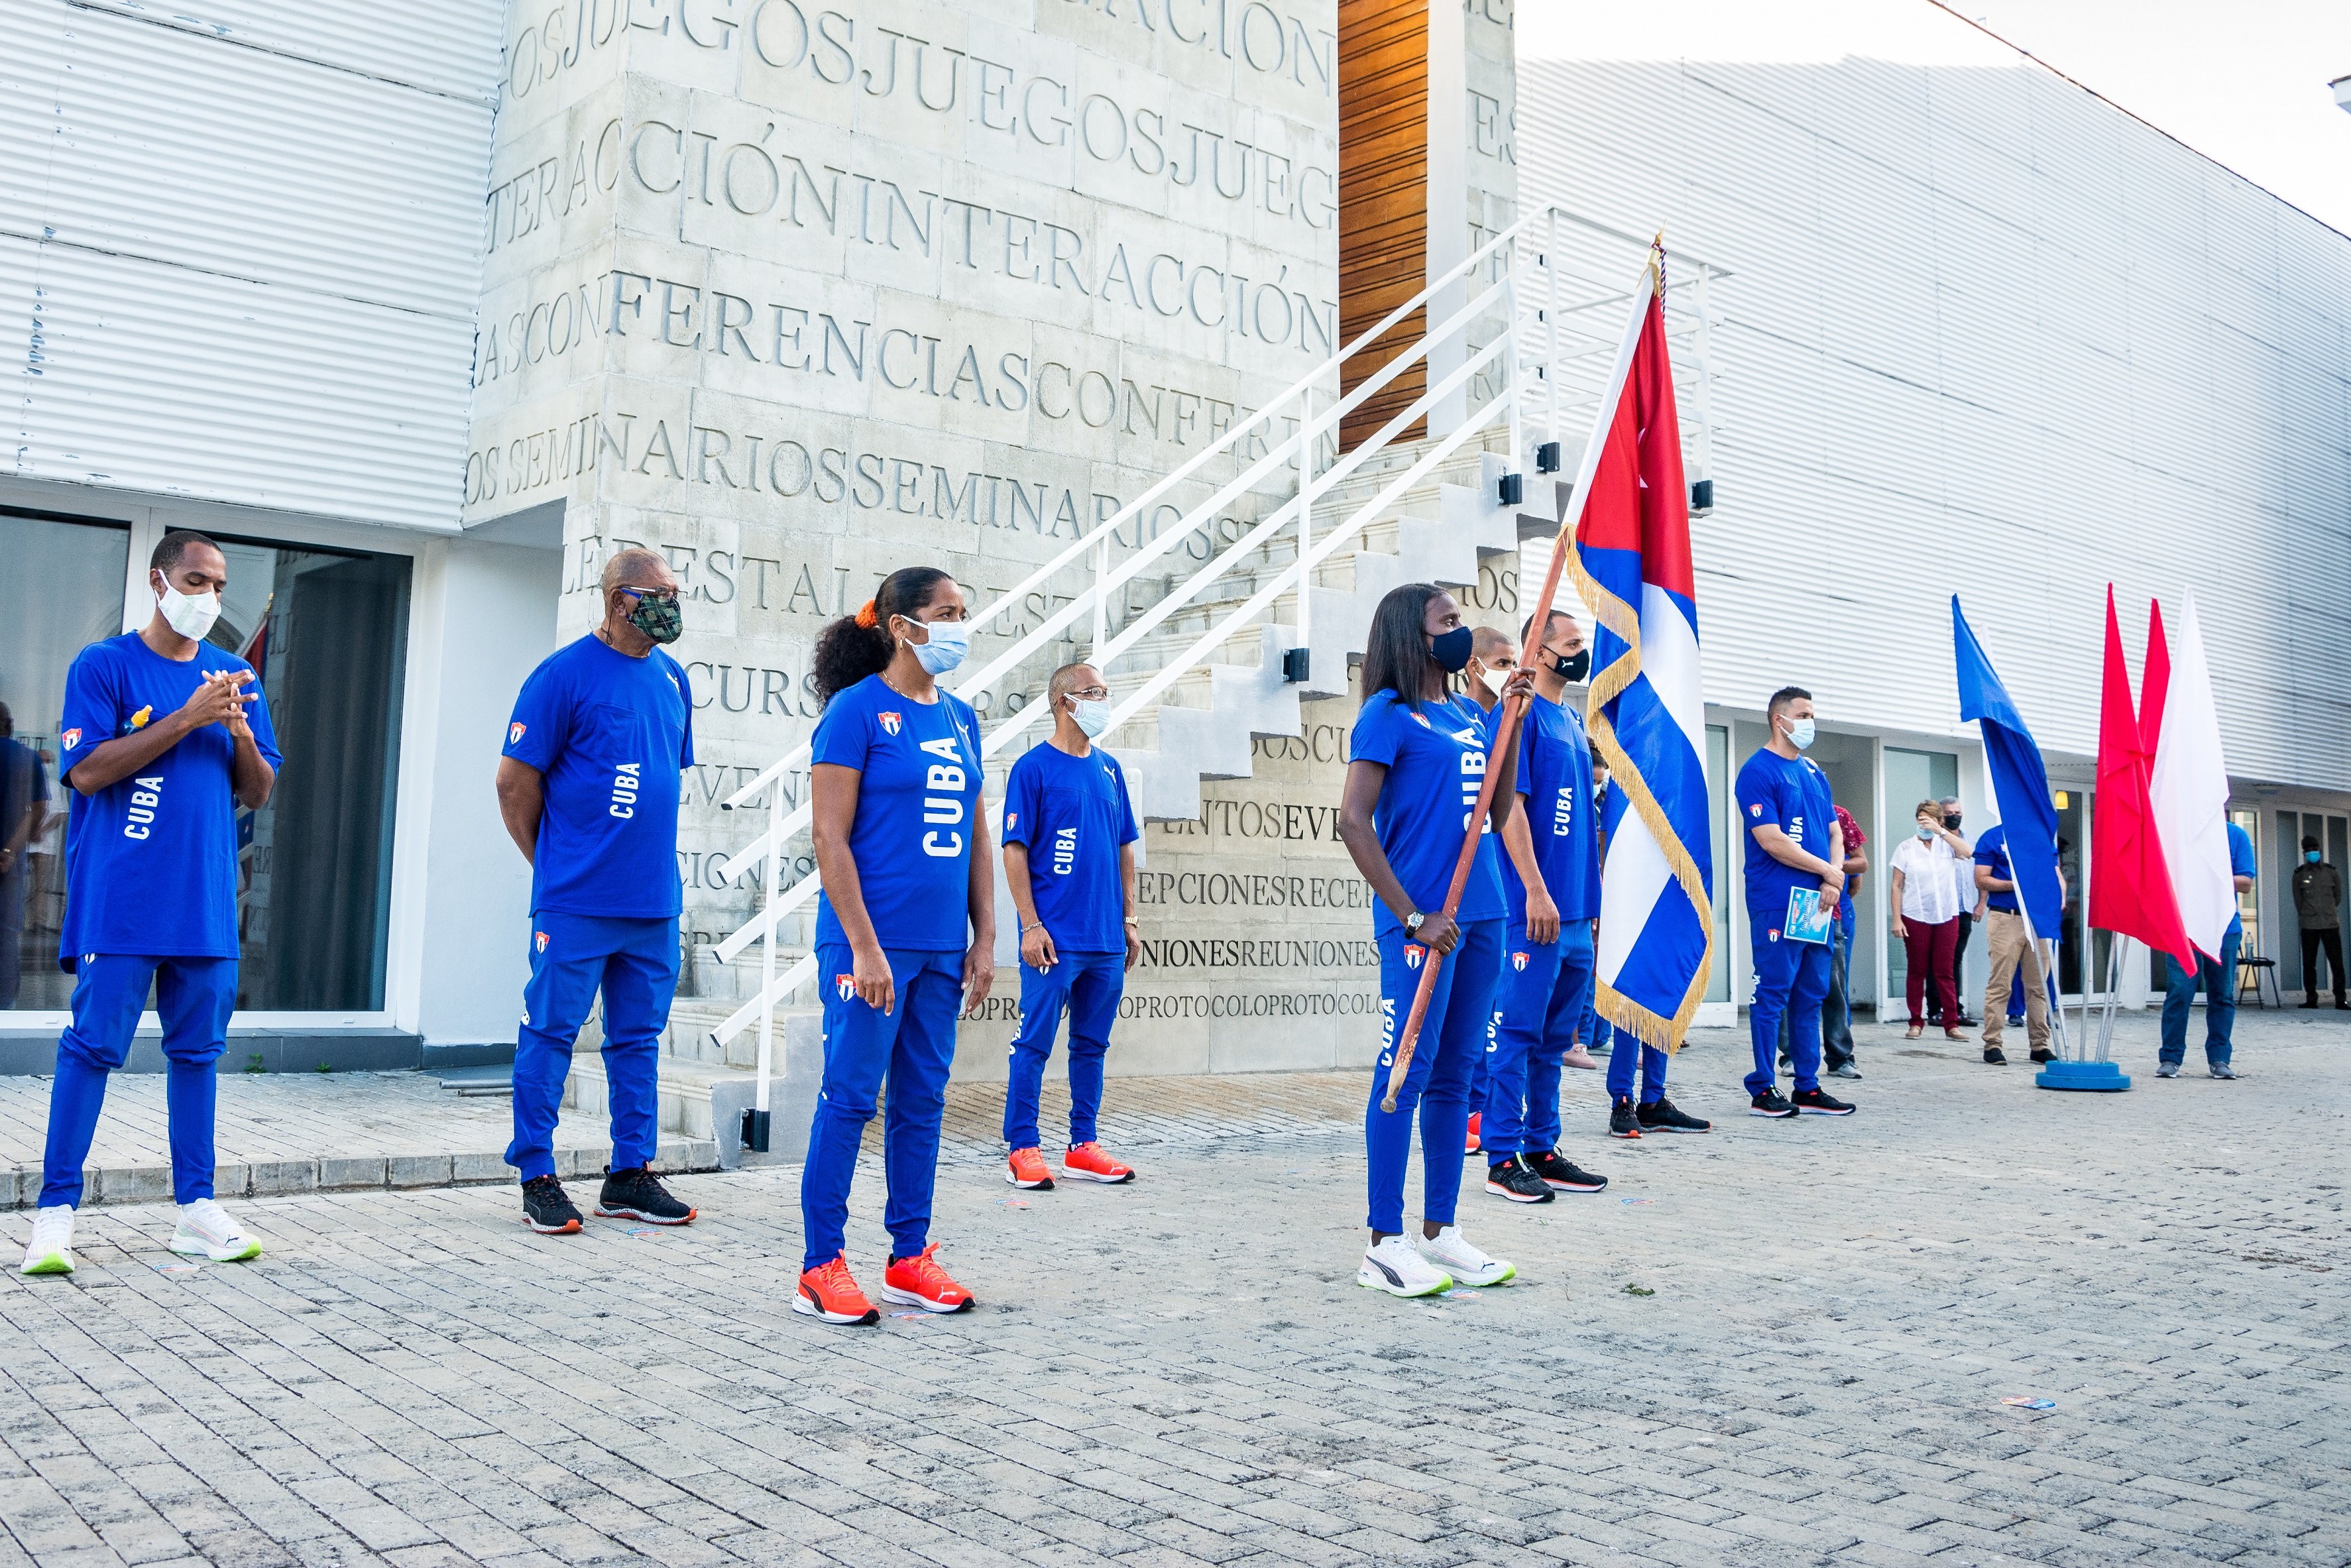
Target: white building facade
[[423, 316]]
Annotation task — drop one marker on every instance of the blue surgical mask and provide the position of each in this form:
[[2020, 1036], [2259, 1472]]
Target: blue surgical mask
[[1926, 833], [2310, 855], [1800, 733], [1092, 716], [949, 645]]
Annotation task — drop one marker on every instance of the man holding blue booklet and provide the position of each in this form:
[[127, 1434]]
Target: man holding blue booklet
[[1795, 877]]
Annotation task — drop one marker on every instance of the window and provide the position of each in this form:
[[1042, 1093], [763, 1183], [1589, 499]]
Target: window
[[72, 575], [327, 631], [1911, 776], [2249, 900]]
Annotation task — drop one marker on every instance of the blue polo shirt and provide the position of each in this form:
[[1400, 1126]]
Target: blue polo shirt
[[151, 860], [1793, 795], [1555, 777], [917, 807], [611, 736], [1071, 814], [1436, 758]]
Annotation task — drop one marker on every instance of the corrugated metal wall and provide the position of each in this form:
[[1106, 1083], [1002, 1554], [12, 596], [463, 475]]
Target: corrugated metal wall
[[243, 247], [1988, 333]]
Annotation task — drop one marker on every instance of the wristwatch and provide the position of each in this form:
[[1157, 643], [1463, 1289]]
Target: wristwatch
[[1413, 922]]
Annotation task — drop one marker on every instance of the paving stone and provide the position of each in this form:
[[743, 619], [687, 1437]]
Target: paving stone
[[1182, 1370]]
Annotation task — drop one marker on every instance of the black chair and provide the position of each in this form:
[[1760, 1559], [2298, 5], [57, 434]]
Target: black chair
[[2262, 968]]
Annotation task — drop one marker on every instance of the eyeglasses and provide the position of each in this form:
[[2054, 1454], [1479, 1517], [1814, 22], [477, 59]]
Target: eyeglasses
[[659, 595], [1092, 693]]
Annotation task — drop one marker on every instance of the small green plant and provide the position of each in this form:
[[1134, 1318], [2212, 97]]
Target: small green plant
[[324, 1068], [1639, 1291], [253, 1063]]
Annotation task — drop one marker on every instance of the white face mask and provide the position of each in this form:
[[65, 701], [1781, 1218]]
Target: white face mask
[[1092, 717], [1495, 680], [949, 645], [189, 614]]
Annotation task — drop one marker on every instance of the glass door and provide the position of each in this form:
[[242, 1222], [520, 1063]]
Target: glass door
[[73, 573], [1910, 777], [1726, 871]]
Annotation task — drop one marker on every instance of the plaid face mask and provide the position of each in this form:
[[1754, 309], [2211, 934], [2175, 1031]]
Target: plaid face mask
[[657, 616]]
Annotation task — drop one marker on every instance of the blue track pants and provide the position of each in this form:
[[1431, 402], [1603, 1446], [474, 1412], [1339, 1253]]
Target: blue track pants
[[1540, 1000], [1088, 986], [1452, 1040], [1790, 978], [193, 997], [911, 1047], [635, 963]]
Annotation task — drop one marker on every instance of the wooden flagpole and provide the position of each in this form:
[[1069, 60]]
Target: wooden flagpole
[[1513, 708]]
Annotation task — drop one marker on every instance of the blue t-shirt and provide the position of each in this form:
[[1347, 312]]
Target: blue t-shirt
[[1792, 795], [2240, 864], [916, 805], [1436, 759], [1991, 853], [611, 735], [1555, 776], [1072, 813], [151, 860]]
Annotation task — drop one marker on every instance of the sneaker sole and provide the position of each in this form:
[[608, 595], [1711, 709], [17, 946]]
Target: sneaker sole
[[809, 1309], [1380, 1283], [1498, 1190], [50, 1263], [1824, 1110], [1573, 1187], [602, 1212], [1046, 1185], [1627, 1132], [1771, 1115], [190, 1248], [892, 1294], [1686, 1131], [569, 1227], [1119, 1180], [1509, 1273]]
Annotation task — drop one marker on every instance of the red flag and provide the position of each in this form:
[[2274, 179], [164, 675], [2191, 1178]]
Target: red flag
[[2154, 680], [2130, 882]]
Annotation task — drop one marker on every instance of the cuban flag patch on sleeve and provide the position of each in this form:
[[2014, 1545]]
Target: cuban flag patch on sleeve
[[515, 733]]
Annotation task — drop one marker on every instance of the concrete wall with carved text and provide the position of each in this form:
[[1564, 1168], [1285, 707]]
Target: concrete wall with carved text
[[799, 293]]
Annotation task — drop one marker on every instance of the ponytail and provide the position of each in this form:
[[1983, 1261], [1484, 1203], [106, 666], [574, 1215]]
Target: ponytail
[[856, 647]]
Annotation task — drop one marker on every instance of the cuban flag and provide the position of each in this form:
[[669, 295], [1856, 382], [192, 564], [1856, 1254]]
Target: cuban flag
[[1646, 707]]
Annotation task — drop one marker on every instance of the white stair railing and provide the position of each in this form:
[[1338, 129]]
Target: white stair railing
[[1558, 355]]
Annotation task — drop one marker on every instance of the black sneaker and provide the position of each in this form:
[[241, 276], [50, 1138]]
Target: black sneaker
[[1659, 1116], [1769, 1103], [1821, 1102], [637, 1193], [1561, 1174], [1622, 1122], [2042, 1053], [1513, 1180], [1995, 1057], [546, 1209]]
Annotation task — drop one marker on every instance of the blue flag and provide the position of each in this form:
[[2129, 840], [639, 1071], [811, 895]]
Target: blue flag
[[2019, 782]]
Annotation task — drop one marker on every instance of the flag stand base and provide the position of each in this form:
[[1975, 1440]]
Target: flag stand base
[[2104, 1077]]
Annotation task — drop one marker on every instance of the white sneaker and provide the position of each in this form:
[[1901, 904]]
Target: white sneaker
[[207, 1231], [1395, 1267], [51, 1249], [1451, 1251]]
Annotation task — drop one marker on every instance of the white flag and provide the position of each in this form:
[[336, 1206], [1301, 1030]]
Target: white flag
[[2192, 794]]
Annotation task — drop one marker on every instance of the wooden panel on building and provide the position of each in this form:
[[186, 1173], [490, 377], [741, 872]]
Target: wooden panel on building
[[1382, 198]]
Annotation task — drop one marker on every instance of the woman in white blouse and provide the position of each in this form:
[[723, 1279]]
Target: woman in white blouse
[[1925, 895]]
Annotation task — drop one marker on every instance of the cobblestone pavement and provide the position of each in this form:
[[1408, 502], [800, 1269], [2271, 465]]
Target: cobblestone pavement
[[1786, 1342]]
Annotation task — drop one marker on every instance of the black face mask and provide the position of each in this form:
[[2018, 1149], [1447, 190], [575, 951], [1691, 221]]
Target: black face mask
[[1572, 667], [658, 616], [1451, 650], [1952, 821]]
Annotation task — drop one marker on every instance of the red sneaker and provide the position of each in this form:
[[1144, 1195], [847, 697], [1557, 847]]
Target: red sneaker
[[830, 1293], [1086, 1162], [1473, 1134], [1025, 1170], [919, 1281]]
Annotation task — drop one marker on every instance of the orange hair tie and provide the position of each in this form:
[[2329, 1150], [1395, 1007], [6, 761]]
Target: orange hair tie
[[865, 616]]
